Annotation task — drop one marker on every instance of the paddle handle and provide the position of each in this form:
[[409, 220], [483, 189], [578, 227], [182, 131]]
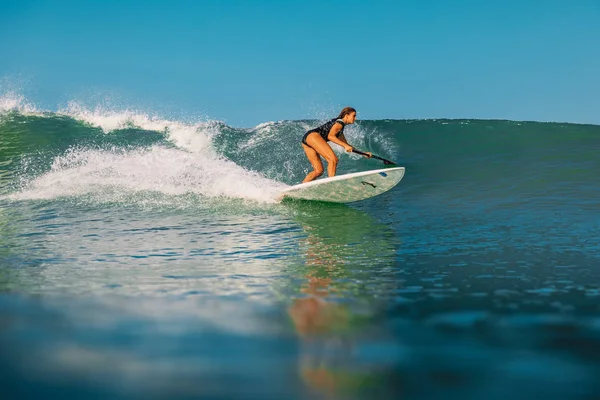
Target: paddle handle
[[385, 162]]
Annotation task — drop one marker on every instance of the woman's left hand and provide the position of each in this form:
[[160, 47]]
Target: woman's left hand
[[369, 154]]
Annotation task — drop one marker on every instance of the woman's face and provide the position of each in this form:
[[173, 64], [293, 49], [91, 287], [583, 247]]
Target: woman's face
[[350, 118]]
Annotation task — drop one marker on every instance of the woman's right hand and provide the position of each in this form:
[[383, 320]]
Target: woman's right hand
[[348, 148]]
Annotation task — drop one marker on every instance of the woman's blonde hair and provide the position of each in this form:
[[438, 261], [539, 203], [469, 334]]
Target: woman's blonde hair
[[345, 111]]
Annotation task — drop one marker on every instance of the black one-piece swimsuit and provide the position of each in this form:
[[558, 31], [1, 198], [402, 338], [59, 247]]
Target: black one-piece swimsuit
[[324, 129]]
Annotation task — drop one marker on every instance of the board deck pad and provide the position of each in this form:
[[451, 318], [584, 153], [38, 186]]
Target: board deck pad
[[346, 188]]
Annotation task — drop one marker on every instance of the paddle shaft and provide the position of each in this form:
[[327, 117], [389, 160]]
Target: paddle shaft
[[385, 162]]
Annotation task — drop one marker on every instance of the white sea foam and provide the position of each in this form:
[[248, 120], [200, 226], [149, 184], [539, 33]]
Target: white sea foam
[[12, 101], [193, 167], [108, 174], [194, 137]]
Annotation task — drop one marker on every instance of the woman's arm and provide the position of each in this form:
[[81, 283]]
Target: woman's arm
[[341, 140]]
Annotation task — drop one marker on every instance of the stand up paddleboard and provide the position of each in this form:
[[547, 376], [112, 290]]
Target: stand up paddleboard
[[346, 188]]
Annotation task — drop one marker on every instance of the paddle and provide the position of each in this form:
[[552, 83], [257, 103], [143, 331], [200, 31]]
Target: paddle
[[385, 162]]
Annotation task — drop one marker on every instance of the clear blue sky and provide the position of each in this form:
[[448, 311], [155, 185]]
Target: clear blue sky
[[247, 62]]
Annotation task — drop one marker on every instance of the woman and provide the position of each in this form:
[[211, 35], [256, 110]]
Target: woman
[[314, 143]]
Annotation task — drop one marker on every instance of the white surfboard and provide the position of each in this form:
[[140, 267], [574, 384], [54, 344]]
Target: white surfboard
[[346, 188]]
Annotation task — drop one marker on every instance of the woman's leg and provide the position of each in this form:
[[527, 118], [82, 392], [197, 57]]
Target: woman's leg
[[316, 163], [317, 146]]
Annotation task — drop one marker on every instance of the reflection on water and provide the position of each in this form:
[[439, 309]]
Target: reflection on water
[[325, 301], [342, 257]]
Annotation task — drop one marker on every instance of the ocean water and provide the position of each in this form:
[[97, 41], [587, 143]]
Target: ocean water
[[146, 257]]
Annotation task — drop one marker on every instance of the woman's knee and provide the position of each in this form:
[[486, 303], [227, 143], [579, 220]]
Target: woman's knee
[[332, 159], [319, 171]]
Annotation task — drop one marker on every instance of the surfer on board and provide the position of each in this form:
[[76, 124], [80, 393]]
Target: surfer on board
[[314, 143]]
